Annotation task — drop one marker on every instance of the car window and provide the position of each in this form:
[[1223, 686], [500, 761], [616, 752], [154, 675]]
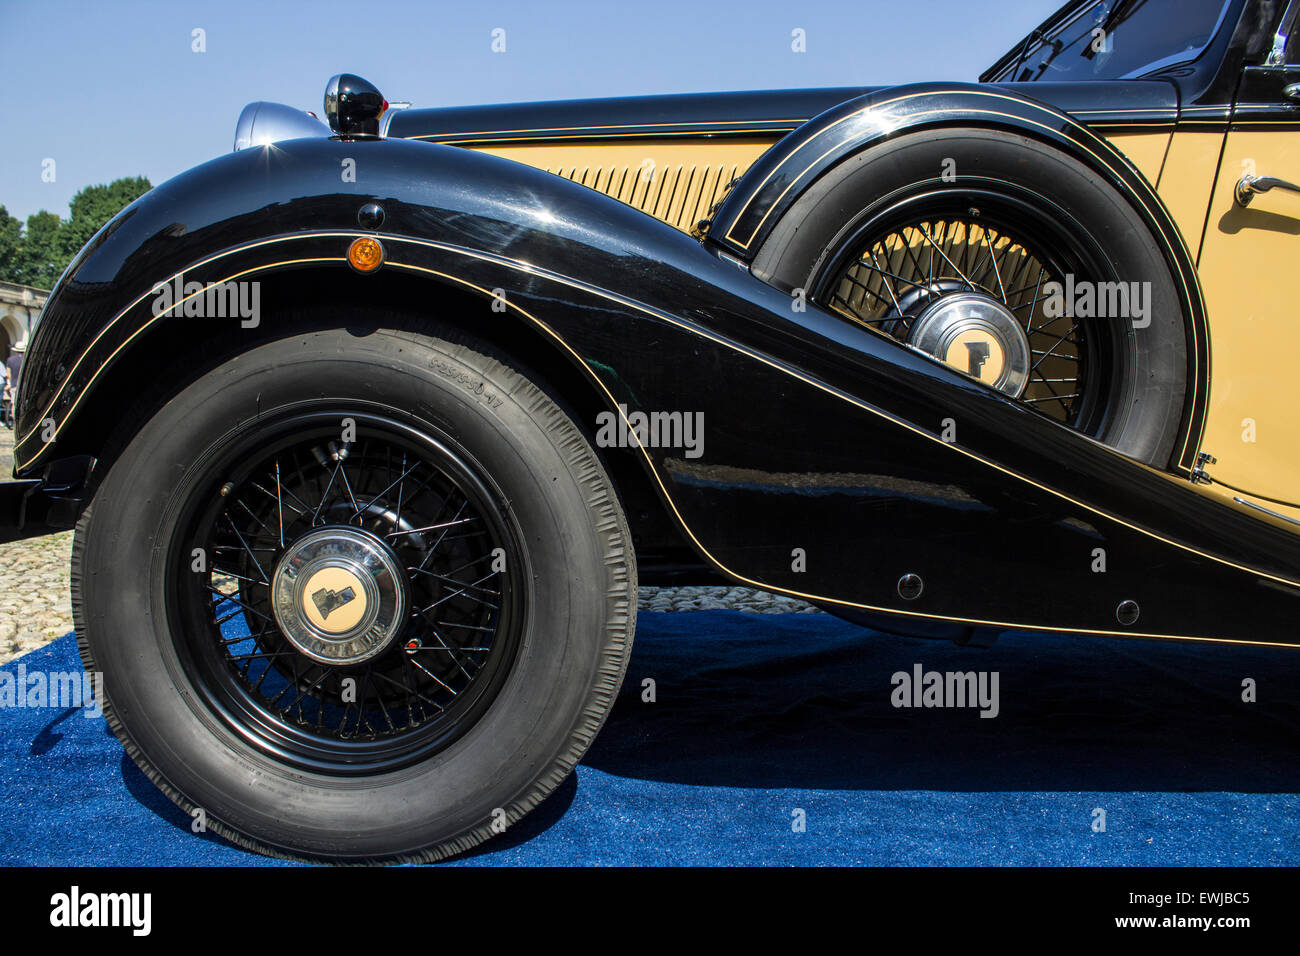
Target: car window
[[1120, 39]]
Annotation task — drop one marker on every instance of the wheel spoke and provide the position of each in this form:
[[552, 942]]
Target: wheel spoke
[[431, 527], [1058, 342], [901, 272], [1050, 398], [451, 636], [996, 272], [463, 592], [279, 501], [888, 288], [961, 275], [401, 480], [260, 570], [431, 675]]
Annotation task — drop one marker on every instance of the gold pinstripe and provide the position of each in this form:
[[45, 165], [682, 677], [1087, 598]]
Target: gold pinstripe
[[202, 262], [525, 267], [869, 109], [690, 135], [822, 598]]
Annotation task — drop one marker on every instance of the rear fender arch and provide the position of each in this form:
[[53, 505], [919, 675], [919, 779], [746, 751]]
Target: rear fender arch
[[772, 186]]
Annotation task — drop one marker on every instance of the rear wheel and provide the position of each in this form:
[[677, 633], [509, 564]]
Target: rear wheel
[[357, 597], [956, 242]]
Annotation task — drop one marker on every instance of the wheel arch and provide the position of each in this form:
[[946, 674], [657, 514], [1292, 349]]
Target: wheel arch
[[168, 357], [572, 269], [774, 184]]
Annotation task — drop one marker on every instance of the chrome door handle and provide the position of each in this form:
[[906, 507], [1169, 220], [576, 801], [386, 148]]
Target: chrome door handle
[[1247, 186]]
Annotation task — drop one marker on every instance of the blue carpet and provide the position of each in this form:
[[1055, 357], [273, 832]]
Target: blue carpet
[[757, 716]]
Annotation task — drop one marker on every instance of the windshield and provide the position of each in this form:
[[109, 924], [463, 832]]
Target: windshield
[[1115, 40]]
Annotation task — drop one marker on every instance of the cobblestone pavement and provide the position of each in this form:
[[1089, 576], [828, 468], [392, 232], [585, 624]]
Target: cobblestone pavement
[[721, 598], [35, 607], [34, 601]]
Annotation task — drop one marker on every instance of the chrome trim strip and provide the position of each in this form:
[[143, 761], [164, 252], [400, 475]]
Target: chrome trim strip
[[1268, 511], [386, 120]]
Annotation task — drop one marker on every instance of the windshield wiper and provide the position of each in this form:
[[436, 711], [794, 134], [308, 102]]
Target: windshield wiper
[[1024, 51]]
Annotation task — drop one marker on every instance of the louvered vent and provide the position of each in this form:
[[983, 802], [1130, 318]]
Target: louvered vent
[[679, 195]]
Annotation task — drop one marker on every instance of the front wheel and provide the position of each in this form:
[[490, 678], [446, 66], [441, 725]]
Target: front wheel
[[357, 597]]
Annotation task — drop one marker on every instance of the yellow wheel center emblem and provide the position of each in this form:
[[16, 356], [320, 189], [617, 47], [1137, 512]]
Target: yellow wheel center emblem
[[339, 595], [334, 600], [978, 354], [977, 335]]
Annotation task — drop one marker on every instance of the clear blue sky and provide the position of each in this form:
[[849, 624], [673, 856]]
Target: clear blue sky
[[111, 88]]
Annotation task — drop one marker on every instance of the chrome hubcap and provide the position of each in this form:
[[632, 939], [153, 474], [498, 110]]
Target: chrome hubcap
[[978, 335], [339, 595]]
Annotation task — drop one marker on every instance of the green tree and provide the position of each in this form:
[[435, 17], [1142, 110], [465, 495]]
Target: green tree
[[38, 254], [40, 257], [11, 236], [92, 207]]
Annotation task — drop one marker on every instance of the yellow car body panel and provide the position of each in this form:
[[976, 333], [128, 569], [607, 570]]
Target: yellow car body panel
[[1243, 257]]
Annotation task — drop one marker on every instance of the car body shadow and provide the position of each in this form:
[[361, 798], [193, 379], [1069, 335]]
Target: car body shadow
[[804, 701]]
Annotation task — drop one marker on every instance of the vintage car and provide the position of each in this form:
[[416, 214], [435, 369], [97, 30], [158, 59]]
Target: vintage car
[[369, 431]]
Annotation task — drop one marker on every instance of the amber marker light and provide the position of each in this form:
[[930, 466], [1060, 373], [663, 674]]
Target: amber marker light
[[366, 254]]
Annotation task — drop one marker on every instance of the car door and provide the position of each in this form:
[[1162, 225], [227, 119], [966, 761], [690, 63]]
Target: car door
[[1249, 263]]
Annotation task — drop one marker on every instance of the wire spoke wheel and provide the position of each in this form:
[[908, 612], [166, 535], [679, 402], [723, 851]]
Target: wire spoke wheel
[[923, 252], [401, 609], [331, 588]]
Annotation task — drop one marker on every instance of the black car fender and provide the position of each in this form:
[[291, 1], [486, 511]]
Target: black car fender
[[823, 440], [294, 206]]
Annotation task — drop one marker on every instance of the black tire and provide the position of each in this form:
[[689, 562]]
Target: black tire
[[1143, 407], [577, 589]]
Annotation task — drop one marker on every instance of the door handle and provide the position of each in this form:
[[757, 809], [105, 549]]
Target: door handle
[[1247, 186]]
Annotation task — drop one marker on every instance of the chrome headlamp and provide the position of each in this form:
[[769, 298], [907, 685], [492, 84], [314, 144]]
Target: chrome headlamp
[[263, 123]]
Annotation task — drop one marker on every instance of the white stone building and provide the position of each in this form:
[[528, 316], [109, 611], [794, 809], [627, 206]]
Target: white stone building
[[19, 307]]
